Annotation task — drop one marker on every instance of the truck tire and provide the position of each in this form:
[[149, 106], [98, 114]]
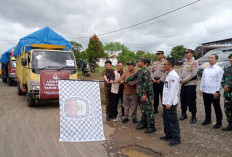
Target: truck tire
[[30, 101], [20, 92], [4, 80], [9, 81]]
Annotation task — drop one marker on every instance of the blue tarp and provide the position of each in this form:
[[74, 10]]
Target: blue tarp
[[43, 36], [6, 55]]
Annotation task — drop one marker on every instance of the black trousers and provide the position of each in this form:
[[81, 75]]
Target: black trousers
[[115, 100], [171, 122], [208, 100], [158, 92], [188, 98]]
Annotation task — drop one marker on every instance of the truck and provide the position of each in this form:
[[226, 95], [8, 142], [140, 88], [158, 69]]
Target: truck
[[40, 65], [8, 67]]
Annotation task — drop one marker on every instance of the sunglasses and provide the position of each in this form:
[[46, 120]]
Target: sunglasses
[[158, 54]]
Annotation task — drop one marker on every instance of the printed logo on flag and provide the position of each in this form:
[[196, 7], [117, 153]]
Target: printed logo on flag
[[76, 107]]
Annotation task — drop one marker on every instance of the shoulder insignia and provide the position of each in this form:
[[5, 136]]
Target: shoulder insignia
[[195, 64]]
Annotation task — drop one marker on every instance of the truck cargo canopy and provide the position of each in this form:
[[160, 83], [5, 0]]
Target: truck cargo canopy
[[6, 55], [43, 36]]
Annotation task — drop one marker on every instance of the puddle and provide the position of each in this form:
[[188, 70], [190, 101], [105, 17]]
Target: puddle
[[138, 151]]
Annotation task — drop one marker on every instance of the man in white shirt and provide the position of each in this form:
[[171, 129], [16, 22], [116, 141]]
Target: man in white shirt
[[170, 100], [210, 90]]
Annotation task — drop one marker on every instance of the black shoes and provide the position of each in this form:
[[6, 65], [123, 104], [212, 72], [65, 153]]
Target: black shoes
[[206, 122], [183, 116], [108, 118], [150, 130], [134, 120], [156, 111], [228, 128], [141, 126], [217, 125], [125, 120], [174, 143], [193, 119], [166, 138]]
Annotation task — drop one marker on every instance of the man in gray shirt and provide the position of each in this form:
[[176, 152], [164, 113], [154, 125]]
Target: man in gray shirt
[[188, 76]]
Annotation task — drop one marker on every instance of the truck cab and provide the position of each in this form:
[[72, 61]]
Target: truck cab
[[8, 71], [35, 66]]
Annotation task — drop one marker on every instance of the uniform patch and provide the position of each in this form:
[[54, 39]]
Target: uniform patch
[[195, 64], [173, 81]]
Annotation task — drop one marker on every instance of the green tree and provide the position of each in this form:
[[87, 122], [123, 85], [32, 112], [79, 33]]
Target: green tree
[[77, 47], [178, 52], [95, 49], [113, 47], [126, 56]]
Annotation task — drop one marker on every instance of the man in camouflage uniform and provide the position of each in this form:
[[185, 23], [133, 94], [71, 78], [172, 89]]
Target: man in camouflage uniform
[[227, 85], [145, 95]]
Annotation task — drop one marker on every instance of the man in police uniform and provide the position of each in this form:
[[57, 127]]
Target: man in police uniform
[[227, 85], [158, 74], [188, 81]]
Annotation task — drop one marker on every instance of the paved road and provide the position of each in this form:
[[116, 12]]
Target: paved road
[[29, 132]]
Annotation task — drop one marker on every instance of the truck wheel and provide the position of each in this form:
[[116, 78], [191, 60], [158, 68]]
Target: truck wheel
[[4, 80], [30, 101], [20, 92], [9, 81]]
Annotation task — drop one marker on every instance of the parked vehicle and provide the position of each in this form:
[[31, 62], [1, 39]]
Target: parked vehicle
[[223, 60], [40, 66], [8, 67]]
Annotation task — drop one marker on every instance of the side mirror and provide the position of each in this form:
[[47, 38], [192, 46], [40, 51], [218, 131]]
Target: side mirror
[[23, 61]]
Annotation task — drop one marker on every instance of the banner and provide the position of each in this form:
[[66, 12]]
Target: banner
[[80, 111], [49, 83]]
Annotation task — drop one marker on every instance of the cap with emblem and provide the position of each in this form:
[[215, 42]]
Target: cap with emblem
[[230, 56], [131, 63], [159, 52], [189, 51]]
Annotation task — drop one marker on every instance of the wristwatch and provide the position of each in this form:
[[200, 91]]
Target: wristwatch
[[218, 92]]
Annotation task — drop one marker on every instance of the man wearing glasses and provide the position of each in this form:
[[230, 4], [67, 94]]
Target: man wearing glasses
[[158, 74], [188, 76]]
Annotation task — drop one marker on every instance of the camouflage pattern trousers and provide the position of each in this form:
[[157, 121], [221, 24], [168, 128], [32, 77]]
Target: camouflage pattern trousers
[[228, 109], [147, 112]]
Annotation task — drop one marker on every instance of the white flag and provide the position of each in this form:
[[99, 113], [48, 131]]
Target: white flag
[[80, 111]]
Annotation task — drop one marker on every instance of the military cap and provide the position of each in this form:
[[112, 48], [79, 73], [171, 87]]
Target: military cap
[[141, 59], [189, 51], [131, 63], [230, 56]]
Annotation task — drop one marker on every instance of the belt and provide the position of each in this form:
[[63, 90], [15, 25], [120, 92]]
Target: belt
[[194, 78]]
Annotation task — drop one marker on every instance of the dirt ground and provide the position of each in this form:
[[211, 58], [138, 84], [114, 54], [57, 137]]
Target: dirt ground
[[34, 131]]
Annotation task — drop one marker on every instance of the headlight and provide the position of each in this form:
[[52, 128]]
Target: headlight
[[34, 85], [12, 75]]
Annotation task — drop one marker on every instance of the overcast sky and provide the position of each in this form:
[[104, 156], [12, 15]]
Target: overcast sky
[[205, 21]]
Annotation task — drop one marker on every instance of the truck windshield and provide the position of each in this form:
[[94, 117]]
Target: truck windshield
[[13, 63], [52, 59]]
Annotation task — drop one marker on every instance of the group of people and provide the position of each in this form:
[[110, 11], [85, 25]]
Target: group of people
[[138, 88]]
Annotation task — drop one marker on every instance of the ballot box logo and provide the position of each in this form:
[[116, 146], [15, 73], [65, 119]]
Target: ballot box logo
[[76, 107], [55, 76]]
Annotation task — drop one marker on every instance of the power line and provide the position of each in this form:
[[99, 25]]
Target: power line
[[140, 23]]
